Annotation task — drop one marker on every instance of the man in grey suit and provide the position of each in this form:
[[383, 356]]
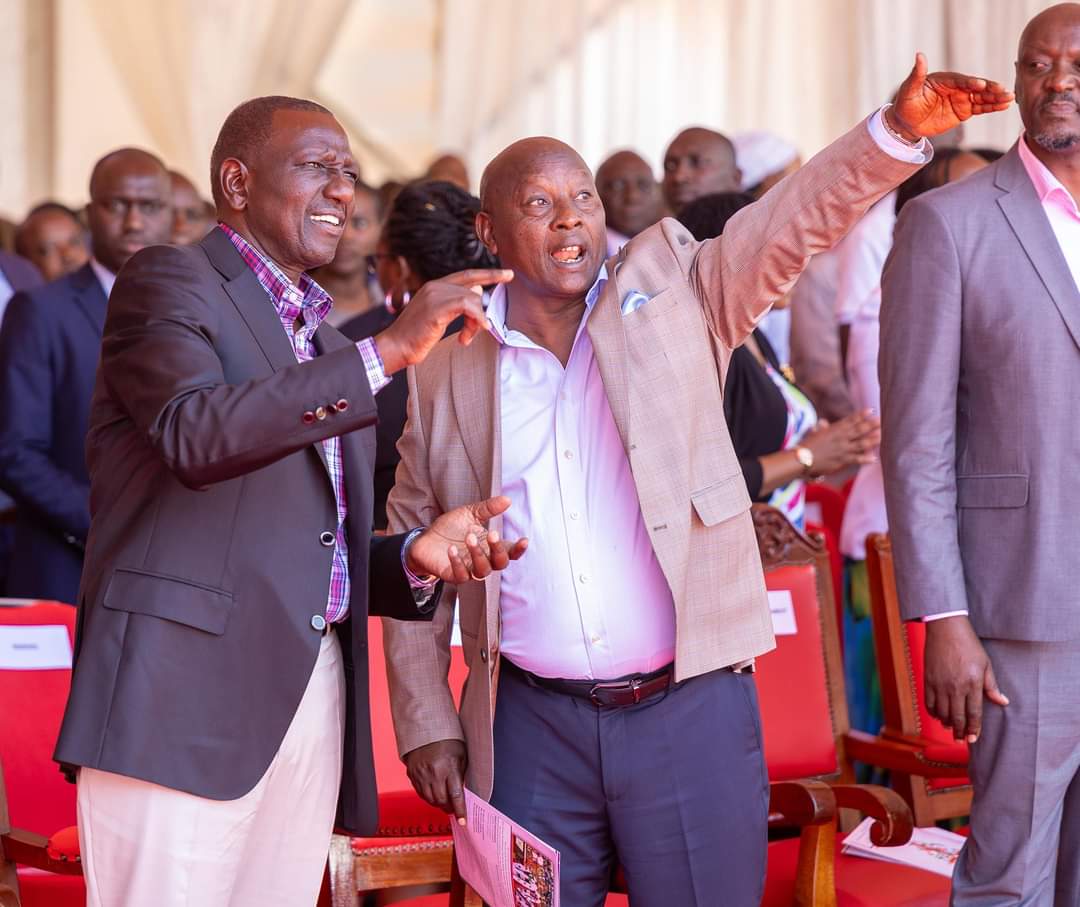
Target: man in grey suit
[[980, 328], [219, 706]]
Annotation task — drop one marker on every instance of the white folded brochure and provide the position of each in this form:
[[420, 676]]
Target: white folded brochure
[[933, 849]]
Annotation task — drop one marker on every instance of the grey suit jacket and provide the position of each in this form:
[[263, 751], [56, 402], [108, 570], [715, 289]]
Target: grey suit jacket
[[209, 495], [979, 368]]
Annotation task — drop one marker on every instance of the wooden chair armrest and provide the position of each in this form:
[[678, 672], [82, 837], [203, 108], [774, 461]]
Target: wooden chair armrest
[[26, 848], [811, 805], [801, 803], [897, 756], [894, 822]]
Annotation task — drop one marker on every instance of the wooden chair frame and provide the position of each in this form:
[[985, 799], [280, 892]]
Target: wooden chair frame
[[899, 747]]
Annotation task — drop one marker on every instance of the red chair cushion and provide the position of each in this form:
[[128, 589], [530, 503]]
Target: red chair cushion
[[39, 798], [860, 882], [402, 814], [46, 889], [792, 688]]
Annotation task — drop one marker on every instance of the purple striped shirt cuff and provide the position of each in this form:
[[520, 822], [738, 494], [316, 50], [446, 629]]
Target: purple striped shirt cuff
[[373, 364]]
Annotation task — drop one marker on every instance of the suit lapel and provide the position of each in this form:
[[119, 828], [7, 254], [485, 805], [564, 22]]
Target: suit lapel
[[606, 331], [250, 299], [1021, 206], [90, 298], [474, 387]]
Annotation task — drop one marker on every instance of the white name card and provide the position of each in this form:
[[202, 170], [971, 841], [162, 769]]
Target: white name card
[[782, 609], [34, 648]]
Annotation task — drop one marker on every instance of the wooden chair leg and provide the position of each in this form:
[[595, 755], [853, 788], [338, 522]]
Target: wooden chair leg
[[815, 879], [461, 893], [340, 880], [9, 884]]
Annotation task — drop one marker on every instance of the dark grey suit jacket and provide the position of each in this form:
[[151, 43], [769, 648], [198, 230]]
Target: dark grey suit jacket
[[204, 565], [979, 367], [49, 344]]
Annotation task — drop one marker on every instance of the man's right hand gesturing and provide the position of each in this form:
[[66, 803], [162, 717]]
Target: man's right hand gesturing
[[424, 320], [437, 773], [958, 676]]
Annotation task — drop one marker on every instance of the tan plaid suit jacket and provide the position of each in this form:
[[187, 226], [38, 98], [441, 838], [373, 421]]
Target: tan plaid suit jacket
[[663, 368]]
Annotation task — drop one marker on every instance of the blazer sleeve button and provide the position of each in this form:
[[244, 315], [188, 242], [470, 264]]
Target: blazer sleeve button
[[320, 413], [342, 405], [308, 417]]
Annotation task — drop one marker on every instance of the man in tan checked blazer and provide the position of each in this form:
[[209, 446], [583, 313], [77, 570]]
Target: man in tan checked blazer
[[606, 707]]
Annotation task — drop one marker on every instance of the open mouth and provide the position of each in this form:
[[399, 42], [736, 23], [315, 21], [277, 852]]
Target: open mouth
[[331, 220], [569, 255]]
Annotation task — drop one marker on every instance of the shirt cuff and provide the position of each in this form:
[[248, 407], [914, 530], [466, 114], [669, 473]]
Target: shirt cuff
[[892, 146], [416, 582], [373, 364], [932, 617]]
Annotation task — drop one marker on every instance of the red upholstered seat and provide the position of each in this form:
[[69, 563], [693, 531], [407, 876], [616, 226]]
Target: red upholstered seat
[[40, 800], [860, 882], [402, 814], [793, 688]]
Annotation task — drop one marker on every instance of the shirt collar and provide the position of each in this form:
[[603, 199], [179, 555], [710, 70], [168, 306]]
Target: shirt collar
[[1047, 186], [305, 298], [105, 277], [496, 305]]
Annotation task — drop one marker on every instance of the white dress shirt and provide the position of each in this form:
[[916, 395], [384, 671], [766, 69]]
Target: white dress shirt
[[590, 600], [105, 277]]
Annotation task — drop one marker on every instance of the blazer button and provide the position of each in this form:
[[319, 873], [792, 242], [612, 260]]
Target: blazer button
[[483, 655], [327, 538], [309, 417], [318, 622], [342, 405], [320, 413]]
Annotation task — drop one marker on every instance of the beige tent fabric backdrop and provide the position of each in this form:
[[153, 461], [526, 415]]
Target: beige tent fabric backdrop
[[411, 77]]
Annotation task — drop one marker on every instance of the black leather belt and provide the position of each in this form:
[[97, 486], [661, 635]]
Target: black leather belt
[[607, 694]]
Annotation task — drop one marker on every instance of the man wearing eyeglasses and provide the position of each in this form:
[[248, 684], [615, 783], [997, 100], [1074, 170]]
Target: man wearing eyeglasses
[[49, 348]]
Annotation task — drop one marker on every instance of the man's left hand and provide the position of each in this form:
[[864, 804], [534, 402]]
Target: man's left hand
[[930, 104], [458, 547]]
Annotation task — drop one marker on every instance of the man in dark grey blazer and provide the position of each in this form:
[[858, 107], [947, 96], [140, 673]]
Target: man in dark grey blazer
[[980, 329], [219, 705]]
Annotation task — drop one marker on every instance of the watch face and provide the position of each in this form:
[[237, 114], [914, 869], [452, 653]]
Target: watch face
[[804, 456]]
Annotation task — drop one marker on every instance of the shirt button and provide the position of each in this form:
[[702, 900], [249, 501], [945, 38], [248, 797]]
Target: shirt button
[[320, 413], [569, 454], [594, 639], [318, 622], [327, 539], [574, 514], [584, 577]]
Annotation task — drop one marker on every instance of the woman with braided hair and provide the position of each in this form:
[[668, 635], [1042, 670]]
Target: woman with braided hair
[[430, 232]]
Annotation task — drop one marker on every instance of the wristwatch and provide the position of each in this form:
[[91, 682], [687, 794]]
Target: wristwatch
[[806, 457]]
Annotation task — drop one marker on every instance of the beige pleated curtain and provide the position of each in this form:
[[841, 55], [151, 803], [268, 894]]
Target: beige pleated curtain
[[410, 77]]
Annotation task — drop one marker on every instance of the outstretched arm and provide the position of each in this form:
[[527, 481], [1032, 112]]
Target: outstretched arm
[[766, 245]]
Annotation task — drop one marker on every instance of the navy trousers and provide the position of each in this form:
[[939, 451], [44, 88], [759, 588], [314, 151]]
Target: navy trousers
[[673, 789]]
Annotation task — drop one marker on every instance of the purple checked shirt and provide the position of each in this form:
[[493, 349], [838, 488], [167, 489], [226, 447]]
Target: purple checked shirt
[[310, 304]]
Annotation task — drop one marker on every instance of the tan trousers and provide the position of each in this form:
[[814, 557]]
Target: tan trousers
[[143, 844]]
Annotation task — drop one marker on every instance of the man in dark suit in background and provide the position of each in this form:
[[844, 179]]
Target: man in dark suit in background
[[219, 703], [49, 346]]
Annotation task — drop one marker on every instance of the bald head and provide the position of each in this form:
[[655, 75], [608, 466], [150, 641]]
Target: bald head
[[629, 191], [1047, 86], [449, 168], [542, 216], [130, 205], [521, 159], [699, 162]]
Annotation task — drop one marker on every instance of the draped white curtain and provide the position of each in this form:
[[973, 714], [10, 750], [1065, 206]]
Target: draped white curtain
[[412, 77]]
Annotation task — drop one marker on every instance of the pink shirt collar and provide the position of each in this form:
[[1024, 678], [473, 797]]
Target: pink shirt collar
[[1048, 187]]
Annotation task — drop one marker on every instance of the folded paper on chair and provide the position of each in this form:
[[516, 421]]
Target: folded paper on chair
[[933, 849], [34, 648], [507, 866]]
